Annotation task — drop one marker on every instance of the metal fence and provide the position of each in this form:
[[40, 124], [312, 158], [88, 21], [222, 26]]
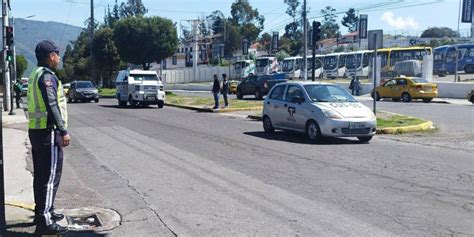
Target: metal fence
[[203, 74]]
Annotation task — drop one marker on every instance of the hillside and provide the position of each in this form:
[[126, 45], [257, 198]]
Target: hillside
[[28, 33]]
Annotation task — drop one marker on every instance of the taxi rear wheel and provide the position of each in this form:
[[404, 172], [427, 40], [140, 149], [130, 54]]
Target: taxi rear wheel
[[427, 100], [312, 131], [267, 125], [406, 97]]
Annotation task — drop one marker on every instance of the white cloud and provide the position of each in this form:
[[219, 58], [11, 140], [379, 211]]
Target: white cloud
[[406, 23]]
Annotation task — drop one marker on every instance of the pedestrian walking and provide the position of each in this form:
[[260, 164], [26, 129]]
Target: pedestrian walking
[[357, 86], [17, 89], [351, 86], [48, 135], [225, 90], [215, 91]]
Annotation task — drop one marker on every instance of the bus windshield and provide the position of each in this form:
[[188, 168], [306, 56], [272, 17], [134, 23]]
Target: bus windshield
[[288, 65], [262, 62], [353, 61], [239, 65], [330, 62]]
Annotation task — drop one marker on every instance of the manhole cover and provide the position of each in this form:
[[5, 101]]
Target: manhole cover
[[94, 219], [89, 222]]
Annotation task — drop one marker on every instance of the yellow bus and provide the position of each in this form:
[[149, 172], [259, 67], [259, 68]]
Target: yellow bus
[[390, 56]]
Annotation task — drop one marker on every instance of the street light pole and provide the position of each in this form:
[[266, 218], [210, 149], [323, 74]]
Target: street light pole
[[305, 47]]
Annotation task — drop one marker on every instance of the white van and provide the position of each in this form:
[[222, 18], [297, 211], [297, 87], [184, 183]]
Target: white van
[[139, 87]]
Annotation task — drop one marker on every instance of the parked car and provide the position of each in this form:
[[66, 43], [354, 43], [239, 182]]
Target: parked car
[[406, 89], [317, 109], [83, 91], [258, 85], [470, 96], [24, 89]]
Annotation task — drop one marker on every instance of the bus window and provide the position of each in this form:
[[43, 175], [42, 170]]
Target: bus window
[[366, 59], [384, 57]]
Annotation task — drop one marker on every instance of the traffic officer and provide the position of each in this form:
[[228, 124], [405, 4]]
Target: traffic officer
[[48, 135]]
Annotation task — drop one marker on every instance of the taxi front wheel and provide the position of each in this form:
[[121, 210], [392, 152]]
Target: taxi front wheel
[[313, 132], [267, 125]]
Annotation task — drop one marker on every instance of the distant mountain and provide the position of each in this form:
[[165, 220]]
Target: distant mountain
[[28, 33]]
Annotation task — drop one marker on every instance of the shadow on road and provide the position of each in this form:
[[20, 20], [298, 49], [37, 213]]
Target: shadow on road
[[126, 107], [27, 229], [299, 138]]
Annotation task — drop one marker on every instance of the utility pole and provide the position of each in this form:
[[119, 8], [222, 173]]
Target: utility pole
[[195, 24], [5, 96], [305, 42], [12, 69], [91, 42], [6, 74]]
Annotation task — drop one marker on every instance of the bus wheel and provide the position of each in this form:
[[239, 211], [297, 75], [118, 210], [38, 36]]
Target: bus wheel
[[469, 68]]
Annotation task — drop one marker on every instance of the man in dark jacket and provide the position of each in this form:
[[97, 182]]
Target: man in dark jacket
[[225, 90], [216, 87]]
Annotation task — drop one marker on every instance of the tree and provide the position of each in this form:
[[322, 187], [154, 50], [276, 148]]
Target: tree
[[76, 61], [291, 30], [282, 54], [350, 20], [132, 8], [265, 41], [21, 65], [439, 32], [106, 55], [143, 40], [112, 17], [247, 19], [218, 21], [329, 27]]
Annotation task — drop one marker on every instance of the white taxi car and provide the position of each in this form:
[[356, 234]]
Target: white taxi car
[[317, 109]]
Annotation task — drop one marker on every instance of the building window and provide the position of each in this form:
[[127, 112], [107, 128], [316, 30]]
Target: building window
[[191, 49]]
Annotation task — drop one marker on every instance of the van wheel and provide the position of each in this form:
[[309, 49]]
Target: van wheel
[[132, 103], [365, 139], [406, 97], [258, 94], [376, 96], [239, 95], [96, 100], [313, 132]]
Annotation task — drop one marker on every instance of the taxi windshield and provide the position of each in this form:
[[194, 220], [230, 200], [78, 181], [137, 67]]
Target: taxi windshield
[[328, 93]]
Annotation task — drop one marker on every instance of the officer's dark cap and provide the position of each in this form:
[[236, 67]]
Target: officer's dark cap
[[44, 48]]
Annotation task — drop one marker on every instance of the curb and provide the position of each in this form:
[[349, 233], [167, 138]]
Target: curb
[[406, 129], [30, 207]]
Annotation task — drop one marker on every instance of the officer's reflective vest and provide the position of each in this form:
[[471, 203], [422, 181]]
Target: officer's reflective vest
[[37, 113]]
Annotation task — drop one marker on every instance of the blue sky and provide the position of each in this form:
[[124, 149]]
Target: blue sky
[[401, 17]]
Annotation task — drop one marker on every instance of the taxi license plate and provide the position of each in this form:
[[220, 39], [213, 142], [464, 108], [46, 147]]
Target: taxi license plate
[[356, 125]]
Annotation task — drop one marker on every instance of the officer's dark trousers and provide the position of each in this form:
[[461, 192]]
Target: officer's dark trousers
[[47, 165], [17, 99]]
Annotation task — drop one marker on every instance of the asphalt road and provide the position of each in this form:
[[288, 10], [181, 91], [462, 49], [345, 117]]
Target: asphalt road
[[178, 172]]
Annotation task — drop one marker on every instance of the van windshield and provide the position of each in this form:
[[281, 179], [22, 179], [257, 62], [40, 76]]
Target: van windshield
[[137, 77]]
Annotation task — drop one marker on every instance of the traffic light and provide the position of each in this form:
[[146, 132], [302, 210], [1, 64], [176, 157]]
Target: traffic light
[[9, 55], [316, 31], [9, 34]]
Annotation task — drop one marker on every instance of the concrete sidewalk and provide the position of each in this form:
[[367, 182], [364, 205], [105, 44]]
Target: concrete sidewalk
[[19, 197]]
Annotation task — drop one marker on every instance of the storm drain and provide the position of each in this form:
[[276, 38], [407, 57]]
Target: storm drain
[[90, 222]]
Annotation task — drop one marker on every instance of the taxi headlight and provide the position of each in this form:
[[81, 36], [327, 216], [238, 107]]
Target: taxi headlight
[[332, 114]]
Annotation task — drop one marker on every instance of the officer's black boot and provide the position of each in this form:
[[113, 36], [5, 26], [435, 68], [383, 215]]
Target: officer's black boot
[[54, 216], [50, 229]]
